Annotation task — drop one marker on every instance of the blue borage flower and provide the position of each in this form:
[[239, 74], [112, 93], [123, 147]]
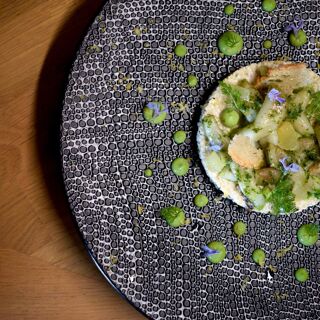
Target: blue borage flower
[[274, 95], [215, 146], [155, 106], [295, 27], [207, 252], [293, 167]]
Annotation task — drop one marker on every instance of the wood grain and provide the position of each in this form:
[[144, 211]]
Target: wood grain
[[45, 273]]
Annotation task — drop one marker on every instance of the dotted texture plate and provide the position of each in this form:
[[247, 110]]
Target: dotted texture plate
[[125, 61]]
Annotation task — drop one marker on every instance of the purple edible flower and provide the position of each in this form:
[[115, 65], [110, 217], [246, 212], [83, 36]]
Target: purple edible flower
[[207, 252], [274, 95], [155, 106], [293, 167], [294, 27], [215, 146]]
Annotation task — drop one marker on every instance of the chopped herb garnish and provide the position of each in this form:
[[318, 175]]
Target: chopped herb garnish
[[140, 209], [233, 95], [313, 108], [282, 197], [282, 252], [294, 111], [314, 193]]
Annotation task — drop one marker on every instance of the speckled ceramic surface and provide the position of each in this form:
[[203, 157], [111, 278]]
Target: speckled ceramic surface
[[125, 61]]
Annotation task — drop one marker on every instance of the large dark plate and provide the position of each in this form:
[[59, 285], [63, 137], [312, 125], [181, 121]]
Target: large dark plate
[[106, 145]]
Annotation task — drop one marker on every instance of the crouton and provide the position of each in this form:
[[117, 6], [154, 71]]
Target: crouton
[[291, 76], [243, 151]]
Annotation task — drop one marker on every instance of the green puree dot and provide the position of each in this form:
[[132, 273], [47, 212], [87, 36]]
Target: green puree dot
[[217, 257], [180, 50], [192, 81], [269, 5], [240, 228], [308, 234], [229, 9], [174, 216], [200, 200], [149, 114], [179, 136], [259, 257], [180, 166], [230, 117], [148, 172], [230, 43], [267, 44], [297, 40], [301, 275]]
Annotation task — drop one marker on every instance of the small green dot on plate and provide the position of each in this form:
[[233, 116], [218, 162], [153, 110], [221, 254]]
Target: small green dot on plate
[[229, 9], [301, 274], [259, 257], [179, 136], [192, 81], [148, 172], [180, 50], [240, 228], [200, 200], [268, 5], [267, 44]]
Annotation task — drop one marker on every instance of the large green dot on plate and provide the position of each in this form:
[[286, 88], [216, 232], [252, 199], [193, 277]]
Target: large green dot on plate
[[180, 166], [230, 43], [308, 234], [220, 256]]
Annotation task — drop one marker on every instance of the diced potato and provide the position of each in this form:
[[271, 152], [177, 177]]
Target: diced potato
[[299, 185], [302, 125], [227, 174], [268, 176], [212, 130], [271, 138], [288, 137], [215, 161], [274, 154], [254, 133], [301, 98], [315, 169], [306, 143], [268, 116]]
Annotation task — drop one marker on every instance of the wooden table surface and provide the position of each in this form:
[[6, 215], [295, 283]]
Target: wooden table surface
[[45, 272]]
